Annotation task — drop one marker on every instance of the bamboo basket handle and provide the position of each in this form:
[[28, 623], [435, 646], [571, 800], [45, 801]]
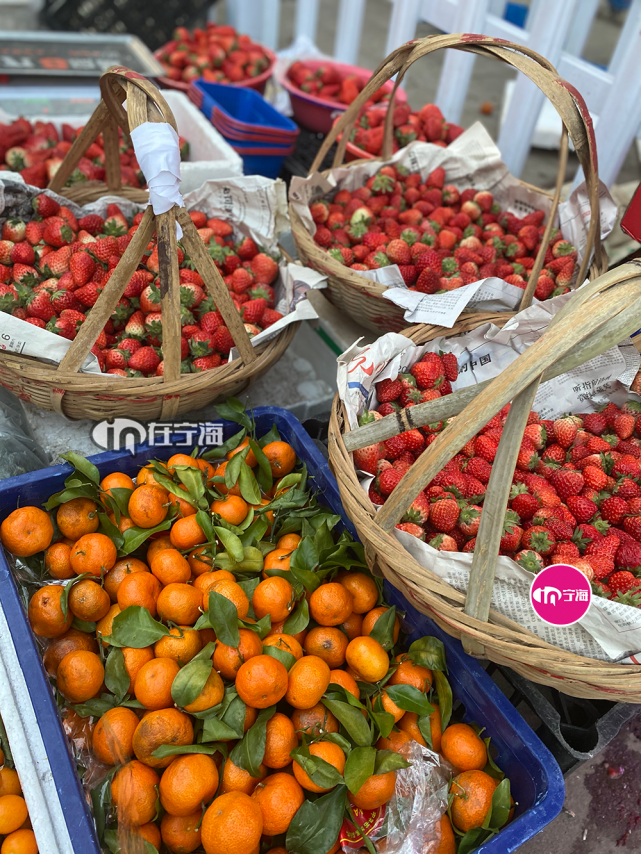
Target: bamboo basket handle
[[567, 101], [142, 106]]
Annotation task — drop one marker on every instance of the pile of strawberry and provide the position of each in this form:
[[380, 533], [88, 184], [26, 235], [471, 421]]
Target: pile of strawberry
[[53, 269], [576, 493], [426, 125], [331, 83], [218, 54], [440, 238], [37, 150]]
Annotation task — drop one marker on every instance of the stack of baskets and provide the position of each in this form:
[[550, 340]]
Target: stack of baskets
[[254, 129], [78, 395]]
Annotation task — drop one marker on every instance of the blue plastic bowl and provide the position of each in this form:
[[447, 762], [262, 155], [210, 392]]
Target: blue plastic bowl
[[537, 782]]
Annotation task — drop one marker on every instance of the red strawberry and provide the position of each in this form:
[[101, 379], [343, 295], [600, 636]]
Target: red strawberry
[[367, 458], [206, 363], [388, 480], [581, 508], [525, 505], [253, 310], [623, 424], [622, 581], [530, 560], [135, 327], [398, 252], [450, 366], [82, 267], [595, 422], [539, 538], [565, 430], [45, 206], [223, 340], [567, 482], [419, 510], [444, 514], [145, 360], [428, 374], [388, 390], [264, 268], [92, 223], [58, 233], [410, 528]]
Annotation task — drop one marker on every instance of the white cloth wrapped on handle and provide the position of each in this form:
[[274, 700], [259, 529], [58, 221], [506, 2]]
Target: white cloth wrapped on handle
[[157, 150]]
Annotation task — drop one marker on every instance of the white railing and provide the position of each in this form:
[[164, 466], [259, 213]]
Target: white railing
[[557, 29]]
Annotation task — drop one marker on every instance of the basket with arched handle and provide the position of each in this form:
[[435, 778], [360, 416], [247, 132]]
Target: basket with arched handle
[[63, 388], [574, 336], [363, 298]]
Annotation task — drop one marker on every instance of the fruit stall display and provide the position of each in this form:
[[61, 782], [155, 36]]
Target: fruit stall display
[[226, 667], [394, 204], [37, 150], [566, 489], [216, 53], [151, 295]]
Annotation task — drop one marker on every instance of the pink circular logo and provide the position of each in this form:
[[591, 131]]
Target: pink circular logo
[[560, 594]]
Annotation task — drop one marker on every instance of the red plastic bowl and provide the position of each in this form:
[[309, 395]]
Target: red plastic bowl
[[258, 83], [318, 114]]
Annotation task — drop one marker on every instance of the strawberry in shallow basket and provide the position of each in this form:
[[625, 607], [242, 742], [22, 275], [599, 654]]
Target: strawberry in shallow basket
[[439, 237], [53, 270], [575, 497]]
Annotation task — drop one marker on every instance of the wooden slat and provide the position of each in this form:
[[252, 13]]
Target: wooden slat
[[169, 281], [113, 177], [215, 285], [111, 293], [87, 135]]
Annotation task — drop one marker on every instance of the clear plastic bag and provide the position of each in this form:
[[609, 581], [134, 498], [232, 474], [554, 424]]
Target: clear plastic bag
[[19, 450], [419, 801]]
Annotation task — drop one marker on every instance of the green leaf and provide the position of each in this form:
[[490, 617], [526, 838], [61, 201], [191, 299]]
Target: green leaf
[[320, 772], [223, 618], [112, 531], [491, 767], [232, 469], [83, 465], [116, 676], [121, 496], [272, 436], [384, 721], [281, 655], [249, 753], [389, 760], [298, 619], [85, 491], [262, 627], [428, 652], [323, 541], [222, 450], [444, 693], [248, 484], [425, 726], [340, 740], [249, 585], [264, 475], [203, 517], [95, 707], [135, 627], [190, 680], [216, 730], [316, 825], [383, 629], [134, 537], [132, 842], [231, 542], [359, 767], [352, 720], [305, 556], [192, 479], [230, 412], [473, 839], [410, 699], [83, 626], [179, 749], [255, 532], [500, 806]]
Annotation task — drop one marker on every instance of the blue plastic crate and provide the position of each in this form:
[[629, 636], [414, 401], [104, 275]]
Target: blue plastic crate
[[537, 782], [243, 110]]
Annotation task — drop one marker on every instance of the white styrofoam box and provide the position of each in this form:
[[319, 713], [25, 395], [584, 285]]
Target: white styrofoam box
[[210, 156]]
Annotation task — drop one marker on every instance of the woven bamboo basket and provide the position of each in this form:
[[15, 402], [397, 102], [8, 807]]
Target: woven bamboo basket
[[62, 388], [362, 298], [573, 337]]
